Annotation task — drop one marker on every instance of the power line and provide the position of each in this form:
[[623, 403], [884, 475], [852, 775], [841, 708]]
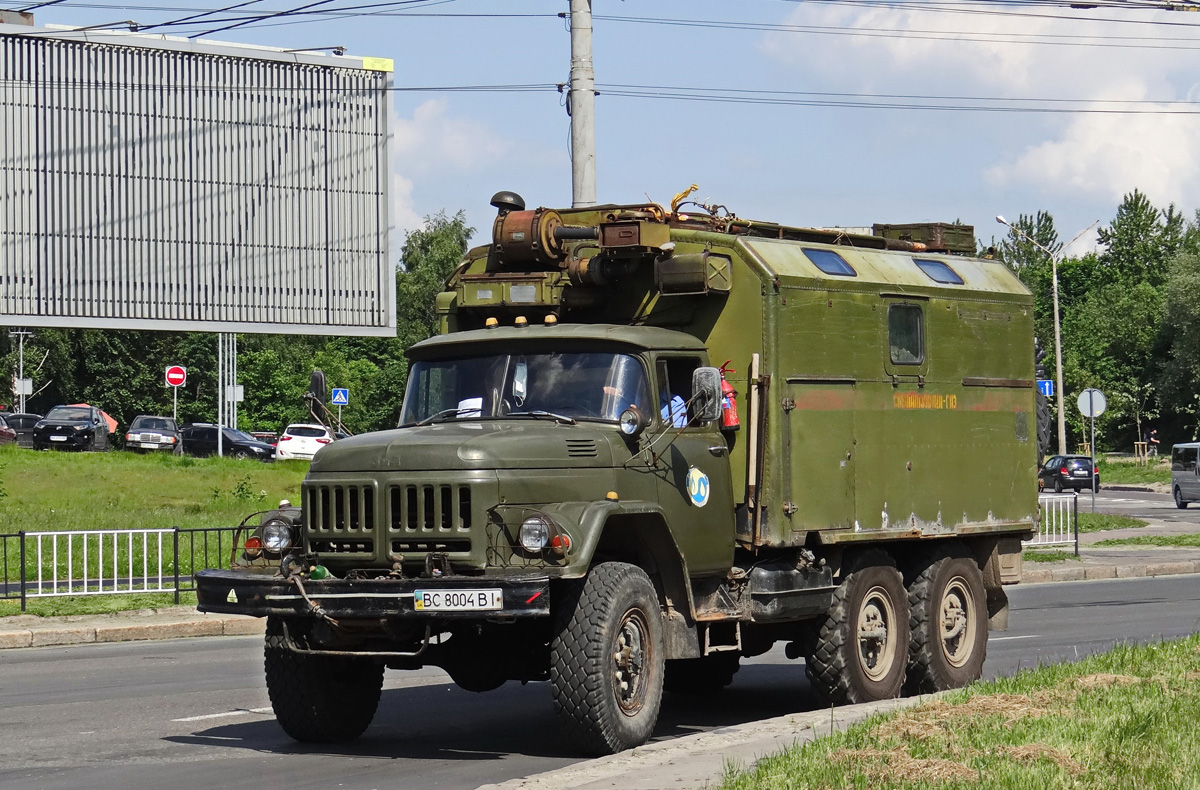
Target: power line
[[991, 104]]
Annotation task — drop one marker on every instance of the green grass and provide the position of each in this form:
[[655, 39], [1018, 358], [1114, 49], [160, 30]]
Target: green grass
[[1101, 522], [1057, 555], [1128, 472], [1126, 718], [1189, 540], [95, 604], [57, 491]]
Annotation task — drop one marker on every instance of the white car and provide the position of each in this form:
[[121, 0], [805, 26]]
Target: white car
[[302, 441]]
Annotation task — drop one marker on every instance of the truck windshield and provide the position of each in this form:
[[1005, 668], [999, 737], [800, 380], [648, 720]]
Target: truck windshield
[[582, 386]]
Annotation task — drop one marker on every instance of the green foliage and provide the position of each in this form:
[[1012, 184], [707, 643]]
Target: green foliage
[[1056, 555], [1191, 540], [1101, 522], [1124, 718], [1113, 472]]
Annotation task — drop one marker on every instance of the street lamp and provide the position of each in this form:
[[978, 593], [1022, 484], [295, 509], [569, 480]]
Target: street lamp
[[1058, 376]]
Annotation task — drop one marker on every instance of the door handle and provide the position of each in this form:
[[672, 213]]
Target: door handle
[[718, 450]]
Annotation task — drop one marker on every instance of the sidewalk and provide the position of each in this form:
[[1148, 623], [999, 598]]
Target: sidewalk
[[173, 622]]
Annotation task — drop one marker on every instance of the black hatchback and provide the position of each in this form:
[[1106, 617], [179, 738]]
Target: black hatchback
[[23, 425], [1061, 472], [200, 438]]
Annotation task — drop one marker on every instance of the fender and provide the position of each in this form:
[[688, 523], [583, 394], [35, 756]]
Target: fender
[[634, 531]]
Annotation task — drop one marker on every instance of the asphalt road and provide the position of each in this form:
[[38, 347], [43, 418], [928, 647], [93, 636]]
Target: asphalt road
[[194, 714], [1141, 504]]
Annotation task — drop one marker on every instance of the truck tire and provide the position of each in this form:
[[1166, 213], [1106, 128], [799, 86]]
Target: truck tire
[[692, 676], [861, 650], [948, 624], [319, 699], [1180, 502], [606, 658]]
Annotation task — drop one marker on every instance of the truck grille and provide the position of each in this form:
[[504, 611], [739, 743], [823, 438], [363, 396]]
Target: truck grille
[[342, 509], [429, 510]]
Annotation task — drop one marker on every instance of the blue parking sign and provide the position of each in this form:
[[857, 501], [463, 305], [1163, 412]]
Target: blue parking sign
[[1046, 387], [341, 396]]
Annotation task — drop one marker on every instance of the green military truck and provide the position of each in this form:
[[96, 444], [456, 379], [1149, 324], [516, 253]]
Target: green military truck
[[648, 444]]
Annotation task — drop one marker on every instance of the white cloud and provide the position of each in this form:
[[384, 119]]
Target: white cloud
[[1111, 155], [1083, 155], [433, 140]]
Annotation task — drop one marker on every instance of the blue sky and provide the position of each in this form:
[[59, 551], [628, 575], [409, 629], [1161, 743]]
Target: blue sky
[[806, 165]]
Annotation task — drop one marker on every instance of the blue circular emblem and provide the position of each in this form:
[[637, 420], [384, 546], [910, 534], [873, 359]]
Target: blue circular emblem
[[697, 487]]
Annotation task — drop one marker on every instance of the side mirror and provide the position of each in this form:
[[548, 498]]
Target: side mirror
[[706, 394]]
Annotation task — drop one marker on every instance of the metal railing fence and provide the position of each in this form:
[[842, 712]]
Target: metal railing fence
[[1059, 523], [110, 561]]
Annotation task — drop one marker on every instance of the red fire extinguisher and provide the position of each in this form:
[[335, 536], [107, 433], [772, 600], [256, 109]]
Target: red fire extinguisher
[[729, 413]]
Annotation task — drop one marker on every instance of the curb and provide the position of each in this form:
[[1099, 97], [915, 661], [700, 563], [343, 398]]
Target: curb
[[1094, 572], [121, 630], [698, 761]]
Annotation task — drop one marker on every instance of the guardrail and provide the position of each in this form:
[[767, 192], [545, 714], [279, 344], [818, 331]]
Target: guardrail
[[109, 561], [1059, 524]]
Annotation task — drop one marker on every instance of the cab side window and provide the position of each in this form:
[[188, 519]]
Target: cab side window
[[906, 334], [675, 389]]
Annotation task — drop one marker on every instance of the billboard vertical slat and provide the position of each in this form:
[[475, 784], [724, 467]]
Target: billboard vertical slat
[[150, 183]]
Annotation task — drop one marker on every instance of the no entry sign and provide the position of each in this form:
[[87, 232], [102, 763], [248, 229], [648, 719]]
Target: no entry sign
[[176, 376]]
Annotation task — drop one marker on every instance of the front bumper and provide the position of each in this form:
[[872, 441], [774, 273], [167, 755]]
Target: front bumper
[[259, 595], [71, 441]]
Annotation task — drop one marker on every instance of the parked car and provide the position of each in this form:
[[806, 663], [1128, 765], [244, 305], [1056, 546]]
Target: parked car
[[200, 438], [7, 434], [148, 432], [302, 440], [1061, 472], [23, 424], [78, 427], [1185, 474]]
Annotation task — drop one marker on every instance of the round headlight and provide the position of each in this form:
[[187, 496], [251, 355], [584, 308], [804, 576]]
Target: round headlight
[[632, 422], [535, 533], [277, 536]]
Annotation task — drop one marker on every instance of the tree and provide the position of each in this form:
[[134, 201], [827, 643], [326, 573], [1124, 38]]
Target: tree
[[427, 259], [1140, 241]]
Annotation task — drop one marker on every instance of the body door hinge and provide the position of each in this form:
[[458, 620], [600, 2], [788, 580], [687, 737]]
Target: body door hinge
[[788, 404]]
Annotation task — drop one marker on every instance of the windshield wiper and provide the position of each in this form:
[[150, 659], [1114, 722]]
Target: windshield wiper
[[444, 414], [545, 415]]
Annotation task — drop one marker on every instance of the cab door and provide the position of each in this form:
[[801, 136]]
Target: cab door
[[693, 481]]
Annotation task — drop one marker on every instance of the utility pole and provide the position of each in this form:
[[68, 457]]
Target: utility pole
[[581, 105], [19, 335]]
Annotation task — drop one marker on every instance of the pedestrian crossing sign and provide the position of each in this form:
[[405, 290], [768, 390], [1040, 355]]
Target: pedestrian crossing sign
[[341, 396]]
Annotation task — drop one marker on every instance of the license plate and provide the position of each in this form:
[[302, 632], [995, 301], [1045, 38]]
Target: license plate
[[58, 438], [149, 446], [458, 600], [1082, 473]]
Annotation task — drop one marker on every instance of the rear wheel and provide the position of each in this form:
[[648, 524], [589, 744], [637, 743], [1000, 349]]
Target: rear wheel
[[319, 699], [862, 646], [606, 658], [1180, 502], [948, 625], [1058, 486]]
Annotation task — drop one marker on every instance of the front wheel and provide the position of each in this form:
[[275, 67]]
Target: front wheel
[[1180, 502], [319, 699], [862, 646], [606, 658], [948, 625]]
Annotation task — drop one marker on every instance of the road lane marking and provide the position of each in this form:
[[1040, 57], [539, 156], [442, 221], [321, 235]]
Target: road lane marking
[[240, 712], [1005, 638]]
